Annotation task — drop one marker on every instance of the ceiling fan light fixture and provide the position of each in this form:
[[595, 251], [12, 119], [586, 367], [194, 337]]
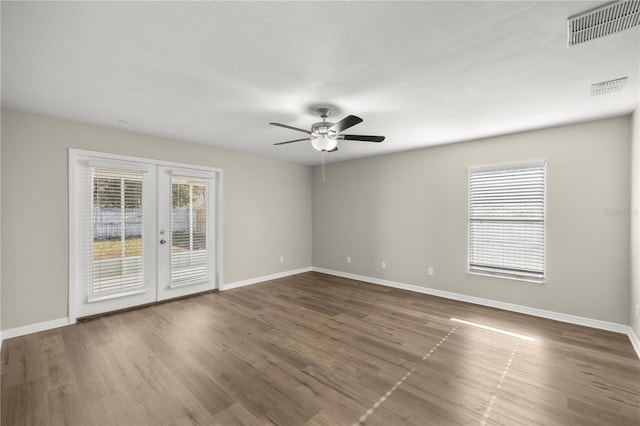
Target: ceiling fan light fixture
[[324, 143]]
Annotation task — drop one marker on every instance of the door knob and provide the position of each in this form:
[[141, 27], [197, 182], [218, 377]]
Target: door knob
[[163, 242]]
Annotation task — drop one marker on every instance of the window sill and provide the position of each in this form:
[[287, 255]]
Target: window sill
[[509, 277]]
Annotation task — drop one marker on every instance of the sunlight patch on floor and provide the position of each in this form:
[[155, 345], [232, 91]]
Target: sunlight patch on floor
[[496, 330]]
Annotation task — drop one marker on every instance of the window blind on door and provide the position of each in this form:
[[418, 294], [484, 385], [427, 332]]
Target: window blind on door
[[507, 221], [116, 231], [189, 230]]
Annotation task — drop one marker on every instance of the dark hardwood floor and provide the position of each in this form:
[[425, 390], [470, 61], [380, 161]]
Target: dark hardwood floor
[[319, 350]]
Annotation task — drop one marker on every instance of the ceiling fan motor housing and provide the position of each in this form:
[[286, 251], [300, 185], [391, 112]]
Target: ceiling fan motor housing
[[322, 128]]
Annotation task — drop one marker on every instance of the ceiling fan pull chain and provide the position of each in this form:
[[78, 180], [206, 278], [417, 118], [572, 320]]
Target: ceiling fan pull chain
[[323, 175]]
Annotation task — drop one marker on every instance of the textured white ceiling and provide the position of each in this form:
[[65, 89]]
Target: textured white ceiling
[[420, 73]]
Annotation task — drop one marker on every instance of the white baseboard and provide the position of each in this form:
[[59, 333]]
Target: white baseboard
[[558, 316], [250, 281], [573, 319], [635, 342], [34, 328]]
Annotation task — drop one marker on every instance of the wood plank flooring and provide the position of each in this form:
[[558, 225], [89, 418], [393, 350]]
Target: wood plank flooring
[[312, 349]]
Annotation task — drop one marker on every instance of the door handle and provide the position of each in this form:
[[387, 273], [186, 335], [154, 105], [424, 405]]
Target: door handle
[[163, 242]]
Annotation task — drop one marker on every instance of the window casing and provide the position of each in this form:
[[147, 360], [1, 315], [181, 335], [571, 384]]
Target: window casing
[[507, 218]]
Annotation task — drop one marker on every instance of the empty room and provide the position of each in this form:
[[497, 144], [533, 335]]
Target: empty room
[[320, 213]]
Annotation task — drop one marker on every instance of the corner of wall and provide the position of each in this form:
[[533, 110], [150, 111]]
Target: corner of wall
[[634, 309], [1, 232]]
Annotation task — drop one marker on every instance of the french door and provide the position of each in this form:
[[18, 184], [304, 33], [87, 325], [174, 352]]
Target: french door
[[186, 252], [140, 231]]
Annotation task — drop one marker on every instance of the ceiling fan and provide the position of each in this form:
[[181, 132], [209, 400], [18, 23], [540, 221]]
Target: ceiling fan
[[324, 135]]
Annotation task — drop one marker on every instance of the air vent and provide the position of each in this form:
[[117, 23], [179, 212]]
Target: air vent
[[605, 87], [603, 21]]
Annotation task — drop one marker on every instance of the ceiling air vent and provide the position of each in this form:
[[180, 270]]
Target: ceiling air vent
[[605, 87], [609, 19]]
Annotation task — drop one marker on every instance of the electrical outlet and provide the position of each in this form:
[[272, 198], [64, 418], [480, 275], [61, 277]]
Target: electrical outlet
[[281, 259], [348, 259], [430, 271], [383, 265]]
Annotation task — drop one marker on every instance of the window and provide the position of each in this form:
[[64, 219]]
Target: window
[[507, 221], [117, 231]]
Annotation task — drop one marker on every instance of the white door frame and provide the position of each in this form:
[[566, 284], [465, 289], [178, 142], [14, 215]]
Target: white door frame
[[77, 154]]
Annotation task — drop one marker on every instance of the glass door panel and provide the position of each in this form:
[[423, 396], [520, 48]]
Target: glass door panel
[[186, 218]]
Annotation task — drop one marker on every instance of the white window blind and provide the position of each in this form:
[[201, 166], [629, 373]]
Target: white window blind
[[189, 233], [116, 231], [507, 221]]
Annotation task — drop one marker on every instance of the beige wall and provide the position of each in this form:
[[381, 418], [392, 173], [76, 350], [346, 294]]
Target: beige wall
[[267, 208], [410, 209], [635, 223]]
